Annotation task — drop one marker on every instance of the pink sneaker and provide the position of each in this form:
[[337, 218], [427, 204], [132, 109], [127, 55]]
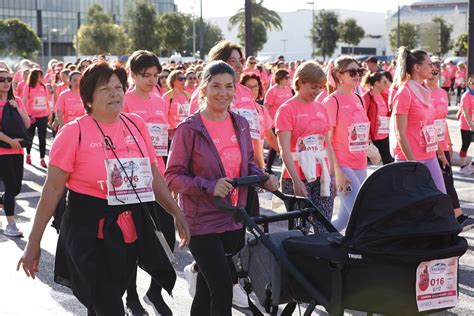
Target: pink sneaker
[[43, 164], [28, 159]]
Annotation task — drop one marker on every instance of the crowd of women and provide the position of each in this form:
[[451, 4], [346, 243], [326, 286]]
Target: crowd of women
[[143, 150]]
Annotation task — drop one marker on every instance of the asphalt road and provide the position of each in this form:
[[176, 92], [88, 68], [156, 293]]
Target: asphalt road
[[22, 296]]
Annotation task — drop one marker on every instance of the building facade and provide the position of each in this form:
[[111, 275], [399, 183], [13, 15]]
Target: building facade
[[56, 21]]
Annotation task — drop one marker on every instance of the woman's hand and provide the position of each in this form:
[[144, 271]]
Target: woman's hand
[[13, 103], [272, 183], [223, 187], [183, 230], [300, 188], [343, 184], [30, 259], [15, 143], [443, 160]]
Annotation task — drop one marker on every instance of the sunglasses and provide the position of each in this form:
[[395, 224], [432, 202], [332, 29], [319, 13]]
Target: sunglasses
[[6, 79], [181, 78], [354, 72], [435, 73], [252, 62]]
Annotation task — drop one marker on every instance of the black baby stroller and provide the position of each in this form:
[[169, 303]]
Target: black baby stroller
[[399, 255]]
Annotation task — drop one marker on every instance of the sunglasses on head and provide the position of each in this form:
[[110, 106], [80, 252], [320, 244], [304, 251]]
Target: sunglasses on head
[[354, 72], [6, 79]]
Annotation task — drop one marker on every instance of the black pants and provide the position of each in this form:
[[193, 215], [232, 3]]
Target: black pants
[[449, 181], [271, 157], [216, 272], [11, 171], [166, 223], [447, 89], [41, 123], [383, 145], [108, 291], [466, 137]]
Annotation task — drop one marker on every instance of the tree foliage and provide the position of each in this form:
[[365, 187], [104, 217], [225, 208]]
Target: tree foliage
[[100, 35], [171, 30], [350, 32], [17, 38], [141, 25], [407, 36], [324, 33], [212, 35], [461, 45], [446, 31], [263, 20]]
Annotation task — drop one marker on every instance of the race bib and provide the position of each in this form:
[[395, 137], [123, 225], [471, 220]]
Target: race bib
[[159, 138], [183, 110], [252, 118], [119, 182], [440, 126], [358, 136], [39, 103], [429, 135], [437, 284], [312, 142], [383, 125]]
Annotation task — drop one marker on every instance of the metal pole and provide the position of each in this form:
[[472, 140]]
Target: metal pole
[[194, 35], [49, 45], [201, 37], [312, 25], [398, 25], [248, 28], [470, 46]]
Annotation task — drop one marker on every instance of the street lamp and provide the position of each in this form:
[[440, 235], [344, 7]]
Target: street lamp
[[54, 30], [312, 3]]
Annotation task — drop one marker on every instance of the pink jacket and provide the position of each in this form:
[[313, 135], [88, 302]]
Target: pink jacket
[[194, 166]]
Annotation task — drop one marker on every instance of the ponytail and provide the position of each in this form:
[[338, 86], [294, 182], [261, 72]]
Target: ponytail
[[405, 62]]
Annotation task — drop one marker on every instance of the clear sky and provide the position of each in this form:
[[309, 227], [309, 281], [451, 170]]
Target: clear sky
[[219, 8]]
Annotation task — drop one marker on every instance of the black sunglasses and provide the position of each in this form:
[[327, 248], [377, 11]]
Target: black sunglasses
[[435, 73], [8, 79], [354, 72]]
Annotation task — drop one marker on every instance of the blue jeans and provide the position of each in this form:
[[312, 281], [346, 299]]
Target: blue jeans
[[356, 176]]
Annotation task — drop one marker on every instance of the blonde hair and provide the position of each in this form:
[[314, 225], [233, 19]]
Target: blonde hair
[[309, 71], [340, 64], [172, 77]]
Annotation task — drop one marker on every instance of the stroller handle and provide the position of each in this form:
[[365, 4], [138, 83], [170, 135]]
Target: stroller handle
[[249, 180]]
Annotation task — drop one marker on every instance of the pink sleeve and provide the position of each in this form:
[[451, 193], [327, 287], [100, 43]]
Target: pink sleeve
[[331, 108], [64, 148], [267, 118], [284, 120], [402, 101], [146, 136], [194, 106], [465, 101], [269, 97], [60, 104]]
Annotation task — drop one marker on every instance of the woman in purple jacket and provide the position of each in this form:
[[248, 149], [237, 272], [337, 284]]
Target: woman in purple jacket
[[209, 148]]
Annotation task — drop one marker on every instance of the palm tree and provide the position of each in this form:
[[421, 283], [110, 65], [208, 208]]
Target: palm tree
[[268, 18]]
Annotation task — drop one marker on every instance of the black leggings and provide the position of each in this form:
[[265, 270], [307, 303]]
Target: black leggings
[[41, 123], [11, 171], [383, 145], [166, 223], [449, 181], [216, 272], [466, 137], [271, 157]]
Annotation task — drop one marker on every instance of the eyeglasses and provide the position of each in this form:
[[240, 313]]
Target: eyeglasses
[[234, 60], [354, 72], [163, 77], [435, 73], [181, 78], [6, 79]]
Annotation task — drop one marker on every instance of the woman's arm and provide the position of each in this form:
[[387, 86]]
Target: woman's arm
[[342, 181], [284, 140], [401, 121], [272, 139], [468, 118], [52, 191]]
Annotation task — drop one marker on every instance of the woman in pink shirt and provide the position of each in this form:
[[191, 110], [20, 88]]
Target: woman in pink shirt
[[302, 127], [177, 100], [274, 98], [11, 159], [21, 85], [191, 81], [460, 81], [36, 99], [69, 105], [107, 161], [209, 148], [467, 125], [439, 98], [349, 135], [415, 114], [378, 113]]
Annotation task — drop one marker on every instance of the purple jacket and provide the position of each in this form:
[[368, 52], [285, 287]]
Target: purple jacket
[[194, 166]]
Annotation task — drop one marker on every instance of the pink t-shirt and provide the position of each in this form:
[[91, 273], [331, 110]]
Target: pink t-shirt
[[266, 122], [194, 107], [152, 110], [60, 88], [439, 99], [275, 97], [383, 120], [18, 76], [467, 103], [308, 123], [70, 105], [460, 77], [10, 151], [228, 147], [178, 108], [244, 105], [189, 89], [445, 78], [19, 89], [420, 120], [351, 129], [37, 103], [320, 98]]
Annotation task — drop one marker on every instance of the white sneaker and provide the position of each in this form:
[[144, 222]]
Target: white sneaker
[[467, 169], [239, 297], [190, 275], [12, 231]]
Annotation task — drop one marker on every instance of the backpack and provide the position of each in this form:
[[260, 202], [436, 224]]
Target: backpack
[[13, 126]]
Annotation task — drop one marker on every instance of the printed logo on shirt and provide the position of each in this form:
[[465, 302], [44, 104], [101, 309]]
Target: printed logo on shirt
[[319, 115], [140, 112], [95, 145], [160, 113], [129, 140]]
